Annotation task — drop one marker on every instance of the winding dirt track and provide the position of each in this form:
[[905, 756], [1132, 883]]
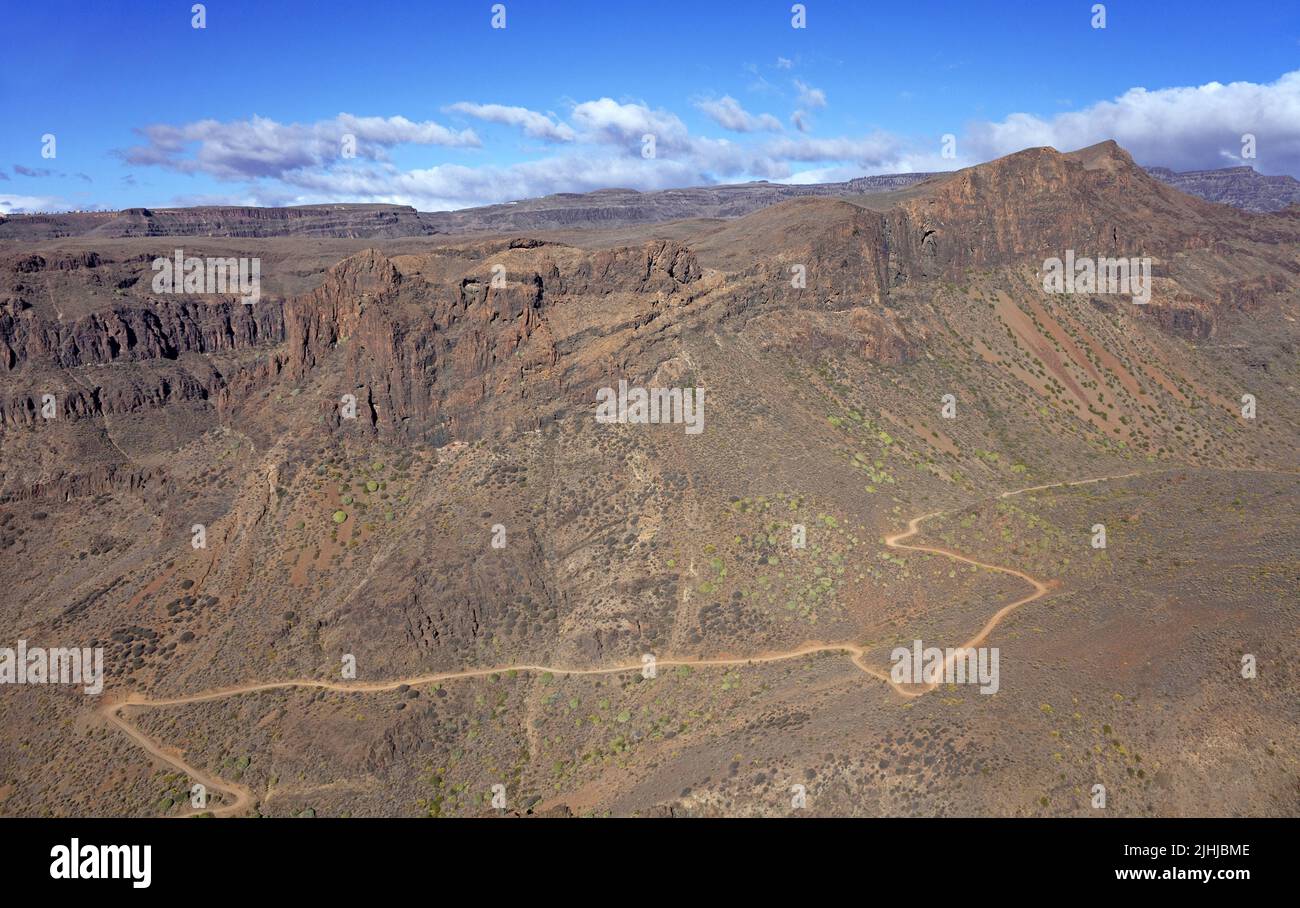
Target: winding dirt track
[[243, 797]]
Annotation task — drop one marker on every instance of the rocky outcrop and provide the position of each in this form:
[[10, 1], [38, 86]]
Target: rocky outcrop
[[421, 358], [1187, 318], [657, 267], [879, 335], [163, 330], [318, 321], [1039, 203], [832, 255], [122, 392], [97, 481], [40, 355]]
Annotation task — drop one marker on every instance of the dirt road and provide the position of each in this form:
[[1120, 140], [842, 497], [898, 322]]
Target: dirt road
[[243, 797]]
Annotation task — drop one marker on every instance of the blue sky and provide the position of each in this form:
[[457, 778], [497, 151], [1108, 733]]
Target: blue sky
[[448, 111]]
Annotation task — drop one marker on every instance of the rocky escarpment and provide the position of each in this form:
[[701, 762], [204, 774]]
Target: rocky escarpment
[[420, 352], [1025, 207], [1197, 317], [452, 342], [43, 356], [422, 357], [351, 221], [116, 394], [1039, 203], [425, 356], [165, 329], [834, 255], [1240, 187]]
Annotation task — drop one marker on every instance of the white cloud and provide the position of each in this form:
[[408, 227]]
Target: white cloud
[[810, 98], [26, 204], [255, 196], [606, 121], [868, 151], [722, 159], [836, 174], [727, 113], [449, 186], [261, 147], [1186, 128], [537, 125]]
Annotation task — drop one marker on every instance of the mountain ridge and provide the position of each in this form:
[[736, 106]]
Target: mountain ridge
[[1241, 187]]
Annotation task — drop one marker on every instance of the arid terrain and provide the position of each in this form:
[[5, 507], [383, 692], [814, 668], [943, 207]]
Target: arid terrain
[[393, 457]]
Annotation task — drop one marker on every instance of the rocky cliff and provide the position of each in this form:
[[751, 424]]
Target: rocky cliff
[[446, 344]]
